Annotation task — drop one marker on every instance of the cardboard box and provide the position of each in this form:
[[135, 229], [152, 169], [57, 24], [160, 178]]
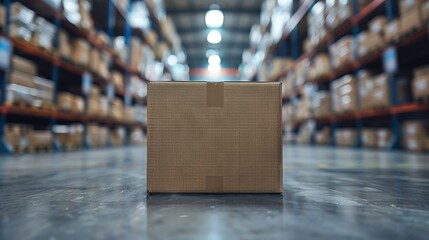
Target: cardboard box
[[421, 86], [346, 137], [414, 143], [421, 71], [411, 21], [407, 6], [377, 25], [381, 92], [23, 65], [2, 16], [392, 31], [64, 44], [80, 51], [414, 128], [369, 137], [22, 79], [344, 94], [214, 137], [323, 136], [65, 101], [384, 137], [427, 144], [321, 104]]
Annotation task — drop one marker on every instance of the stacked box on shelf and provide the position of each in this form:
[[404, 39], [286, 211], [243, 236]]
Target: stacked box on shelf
[[337, 11], [77, 12], [280, 65], [341, 52], [346, 137], [64, 46], [384, 138], [140, 114], [136, 53], [415, 135], [69, 136], [70, 103], [25, 87], [320, 67], [321, 104], [301, 71], [80, 51], [117, 79], [97, 103], [306, 132], [344, 94], [2, 17], [411, 15], [421, 82], [369, 137], [138, 88], [16, 136], [137, 136], [288, 85], [316, 28], [303, 109], [39, 139], [120, 49], [117, 136], [117, 112], [323, 136], [21, 26], [373, 90], [373, 39], [96, 136], [392, 31]]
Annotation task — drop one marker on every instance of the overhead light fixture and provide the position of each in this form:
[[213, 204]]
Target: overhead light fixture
[[172, 60], [214, 18], [214, 60], [214, 68], [214, 37], [210, 52]]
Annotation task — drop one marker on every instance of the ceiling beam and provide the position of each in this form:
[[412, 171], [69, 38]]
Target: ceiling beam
[[177, 11]]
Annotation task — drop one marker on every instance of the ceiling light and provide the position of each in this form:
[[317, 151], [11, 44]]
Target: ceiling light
[[172, 60], [214, 18], [214, 59], [210, 52], [214, 37], [214, 68]]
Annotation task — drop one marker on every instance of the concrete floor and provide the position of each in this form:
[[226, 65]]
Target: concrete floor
[[329, 194]]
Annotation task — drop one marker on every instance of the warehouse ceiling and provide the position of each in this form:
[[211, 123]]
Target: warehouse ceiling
[[239, 16]]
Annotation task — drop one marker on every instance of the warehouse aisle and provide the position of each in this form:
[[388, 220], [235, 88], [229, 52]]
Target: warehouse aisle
[[329, 194]]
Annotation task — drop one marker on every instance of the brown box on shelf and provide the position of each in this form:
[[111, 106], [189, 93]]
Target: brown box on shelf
[[39, 139], [407, 6], [421, 86], [365, 89], [427, 144], [104, 106], [118, 80], [64, 44], [13, 134], [23, 65], [369, 137], [80, 51], [151, 38], [346, 137], [65, 101], [421, 71], [103, 39], [136, 52], [323, 136], [220, 148], [20, 32], [22, 79], [344, 94], [93, 106], [78, 104], [381, 93], [320, 67], [94, 91], [321, 104], [2, 16], [94, 60], [384, 137], [341, 52], [280, 65], [377, 25], [369, 42], [411, 21], [414, 143], [415, 128], [392, 31]]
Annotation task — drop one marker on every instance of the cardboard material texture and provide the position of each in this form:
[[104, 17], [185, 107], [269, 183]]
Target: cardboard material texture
[[214, 137]]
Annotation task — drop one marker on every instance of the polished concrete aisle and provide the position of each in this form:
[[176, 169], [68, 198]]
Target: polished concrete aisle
[[329, 194]]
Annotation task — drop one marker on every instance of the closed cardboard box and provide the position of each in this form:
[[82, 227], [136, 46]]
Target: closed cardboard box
[[421, 86], [369, 137], [407, 6], [384, 137], [411, 21], [214, 137], [23, 65], [392, 30]]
